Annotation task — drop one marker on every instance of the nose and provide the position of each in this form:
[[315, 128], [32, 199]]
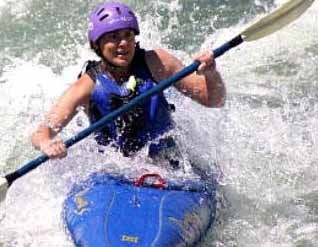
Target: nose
[[123, 41]]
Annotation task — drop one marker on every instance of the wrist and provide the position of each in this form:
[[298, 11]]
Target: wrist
[[211, 73]]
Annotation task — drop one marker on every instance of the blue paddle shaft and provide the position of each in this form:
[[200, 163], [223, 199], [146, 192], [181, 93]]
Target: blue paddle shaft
[[227, 46], [114, 114]]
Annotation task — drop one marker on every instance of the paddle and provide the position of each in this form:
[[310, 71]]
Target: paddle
[[267, 25]]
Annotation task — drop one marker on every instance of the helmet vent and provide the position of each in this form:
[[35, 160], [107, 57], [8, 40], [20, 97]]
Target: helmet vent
[[118, 10], [110, 17], [100, 11], [103, 17]]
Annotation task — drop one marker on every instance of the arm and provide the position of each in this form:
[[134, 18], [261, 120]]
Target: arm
[[206, 86], [60, 114]]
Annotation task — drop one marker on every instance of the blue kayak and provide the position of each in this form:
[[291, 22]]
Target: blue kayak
[[113, 211]]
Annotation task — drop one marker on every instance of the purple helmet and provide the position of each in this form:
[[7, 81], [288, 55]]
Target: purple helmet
[[110, 17]]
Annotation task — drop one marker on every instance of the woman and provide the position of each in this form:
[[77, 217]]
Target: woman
[[125, 70]]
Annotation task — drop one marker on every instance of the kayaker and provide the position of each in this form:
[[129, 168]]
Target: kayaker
[[124, 71]]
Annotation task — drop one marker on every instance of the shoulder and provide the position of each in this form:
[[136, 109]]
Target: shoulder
[[91, 68], [84, 81], [81, 89], [161, 63]]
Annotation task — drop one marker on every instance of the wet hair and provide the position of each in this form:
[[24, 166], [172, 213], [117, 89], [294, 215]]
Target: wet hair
[[96, 48]]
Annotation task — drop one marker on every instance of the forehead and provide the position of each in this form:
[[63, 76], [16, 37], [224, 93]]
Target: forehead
[[119, 32]]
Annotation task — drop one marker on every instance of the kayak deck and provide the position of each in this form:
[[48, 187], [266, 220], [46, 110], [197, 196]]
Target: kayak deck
[[111, 211]]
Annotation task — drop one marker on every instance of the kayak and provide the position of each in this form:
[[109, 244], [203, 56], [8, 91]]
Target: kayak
[[107, 210]]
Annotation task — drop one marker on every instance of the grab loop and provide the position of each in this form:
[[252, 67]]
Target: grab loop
[[159, 182]]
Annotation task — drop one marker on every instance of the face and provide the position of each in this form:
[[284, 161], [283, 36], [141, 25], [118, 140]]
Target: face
[[118, 47]]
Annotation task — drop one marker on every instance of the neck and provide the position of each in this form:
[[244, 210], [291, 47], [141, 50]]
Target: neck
[[119, 74]]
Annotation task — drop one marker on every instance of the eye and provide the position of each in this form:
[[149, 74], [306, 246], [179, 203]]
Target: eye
[[113, 36], [129, 35]]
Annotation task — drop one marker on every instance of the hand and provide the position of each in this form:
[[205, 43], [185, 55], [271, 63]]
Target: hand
[[54, 148], [208, 65]]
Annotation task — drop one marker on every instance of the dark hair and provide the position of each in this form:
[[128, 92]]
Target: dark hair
[[96, 48]]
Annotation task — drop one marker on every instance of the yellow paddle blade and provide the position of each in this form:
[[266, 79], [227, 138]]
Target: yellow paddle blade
[[281, 17], [3, 188]]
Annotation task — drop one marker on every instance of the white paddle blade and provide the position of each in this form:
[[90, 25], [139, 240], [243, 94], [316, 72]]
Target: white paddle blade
[[281, 17], [3, 188]]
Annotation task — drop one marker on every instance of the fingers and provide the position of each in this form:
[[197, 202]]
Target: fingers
[[207, 62], [55, 148]]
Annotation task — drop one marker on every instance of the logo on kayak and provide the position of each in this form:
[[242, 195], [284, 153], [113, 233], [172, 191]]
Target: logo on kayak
[[131, 239], [81, 203]]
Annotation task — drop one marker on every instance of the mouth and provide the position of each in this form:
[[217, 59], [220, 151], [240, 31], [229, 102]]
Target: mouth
[[121, 53]]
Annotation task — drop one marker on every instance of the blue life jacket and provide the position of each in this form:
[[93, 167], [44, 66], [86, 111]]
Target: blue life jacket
[[134, 129]]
